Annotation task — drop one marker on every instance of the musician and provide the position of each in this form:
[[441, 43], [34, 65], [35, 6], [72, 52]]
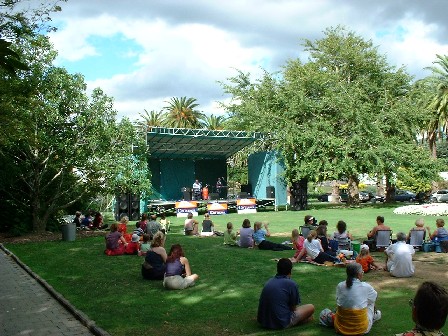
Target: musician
[[196, 190]]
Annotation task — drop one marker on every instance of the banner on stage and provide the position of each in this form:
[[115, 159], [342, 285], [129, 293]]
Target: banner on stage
[[246, 205], [185, 207], [217, 208]]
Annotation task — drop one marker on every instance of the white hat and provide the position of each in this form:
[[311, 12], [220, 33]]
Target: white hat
[[364, 247], [135, 238]]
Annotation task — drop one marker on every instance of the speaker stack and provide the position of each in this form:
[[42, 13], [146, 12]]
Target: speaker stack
[[127, 205], [299, 195], [270, 192]]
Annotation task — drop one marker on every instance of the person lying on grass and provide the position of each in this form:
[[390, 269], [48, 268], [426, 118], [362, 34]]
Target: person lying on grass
[[260, 235], [178, 272], [279, 305]]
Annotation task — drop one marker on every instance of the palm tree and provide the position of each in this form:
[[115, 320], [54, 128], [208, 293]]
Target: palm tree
[[182, 113], [152, 118], [213, 122], [438, 104]]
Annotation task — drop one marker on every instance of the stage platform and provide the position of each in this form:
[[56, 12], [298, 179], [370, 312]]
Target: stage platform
[[161, 206]]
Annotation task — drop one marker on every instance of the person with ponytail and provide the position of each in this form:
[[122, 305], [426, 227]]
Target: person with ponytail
[[355, 300]]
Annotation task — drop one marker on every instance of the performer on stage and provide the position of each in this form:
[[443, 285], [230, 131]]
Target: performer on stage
[[218, 187], [196, 190]]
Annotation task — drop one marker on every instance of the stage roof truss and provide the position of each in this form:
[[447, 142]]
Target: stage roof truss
[[197, 144]]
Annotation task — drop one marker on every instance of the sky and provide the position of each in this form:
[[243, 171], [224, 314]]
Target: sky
[[144, 52]]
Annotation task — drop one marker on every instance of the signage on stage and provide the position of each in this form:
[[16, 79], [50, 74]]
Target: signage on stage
[[184, 207], [217, 208], [246, 205]]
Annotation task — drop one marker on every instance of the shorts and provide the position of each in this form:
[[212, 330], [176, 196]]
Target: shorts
[[177, 282]]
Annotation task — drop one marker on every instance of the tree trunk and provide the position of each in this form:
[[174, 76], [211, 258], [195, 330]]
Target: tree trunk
[[353, 190], [390, 190]]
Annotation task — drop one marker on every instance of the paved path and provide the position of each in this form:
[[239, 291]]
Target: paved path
[[27, 308]]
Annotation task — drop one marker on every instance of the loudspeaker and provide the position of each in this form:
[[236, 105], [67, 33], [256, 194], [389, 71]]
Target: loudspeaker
[[299, 195], [213, 196], [243, 195], [247, 188], [127, 205], [270, 192]]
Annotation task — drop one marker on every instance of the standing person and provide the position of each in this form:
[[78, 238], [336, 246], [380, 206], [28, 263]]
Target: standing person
[[207, 226], [178, 272], [219, 187], [246, 235], [399, 258], [196, 190], [230, 235], [154, 266], [429, 310], [440, 234], [191, 225], [315, 251], [260, 235], [153, 226], [279, 305], [355, 301], [115, 242]]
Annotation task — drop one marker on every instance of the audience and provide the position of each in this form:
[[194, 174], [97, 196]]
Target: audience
[[207, 226], [153, 226], [246, 235], [143, 223], [315, 251], [440, 235], [178, 272], [260, 235], [298, 244], [429, 310], [399, 258], [355, 301], [154, 266], [145, 245], [371, 235], [419, 226], [191, 225], [115, 242], [342, 236], [164, 223], [366, 260], [230, 236], [321, 232], [279, 306]]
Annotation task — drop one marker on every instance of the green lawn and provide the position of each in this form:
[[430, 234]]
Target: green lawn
[[111, 291]]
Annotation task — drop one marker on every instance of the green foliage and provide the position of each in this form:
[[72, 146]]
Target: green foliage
[[182, 113]]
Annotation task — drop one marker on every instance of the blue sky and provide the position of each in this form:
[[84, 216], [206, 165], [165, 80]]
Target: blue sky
[[142, 53]]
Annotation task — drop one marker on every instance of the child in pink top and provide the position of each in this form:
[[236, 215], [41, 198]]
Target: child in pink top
[[297, 243]]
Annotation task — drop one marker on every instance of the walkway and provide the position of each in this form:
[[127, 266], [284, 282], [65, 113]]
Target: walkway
[[28, 308]]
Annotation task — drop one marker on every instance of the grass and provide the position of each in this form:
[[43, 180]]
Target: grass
[[111, 291]]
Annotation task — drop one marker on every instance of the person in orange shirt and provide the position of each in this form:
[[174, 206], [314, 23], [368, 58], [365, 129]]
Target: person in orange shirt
[[366, 260]]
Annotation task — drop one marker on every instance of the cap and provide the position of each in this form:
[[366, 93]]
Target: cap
[[135, 238]]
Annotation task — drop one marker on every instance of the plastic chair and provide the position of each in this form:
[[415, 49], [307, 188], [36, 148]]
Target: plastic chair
[[383, 238], [416, 238]]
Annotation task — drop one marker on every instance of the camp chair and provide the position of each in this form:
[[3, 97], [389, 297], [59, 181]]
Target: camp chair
[[343, 243], [416, 238], [305, 231], [383, 239]]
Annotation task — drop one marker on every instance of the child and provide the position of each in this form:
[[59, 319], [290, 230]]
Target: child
[[230, 236], [138, 230], [164, 223], [315, 251], [133, 246], [145, 246], [366, 260], [297, 243], [207, 226]]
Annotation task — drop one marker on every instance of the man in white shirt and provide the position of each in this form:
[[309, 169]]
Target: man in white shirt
[[399, 258], [196, 190]]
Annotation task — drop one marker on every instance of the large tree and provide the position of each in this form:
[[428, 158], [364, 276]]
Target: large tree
[[182, 113], [337, 116], [62, 145]]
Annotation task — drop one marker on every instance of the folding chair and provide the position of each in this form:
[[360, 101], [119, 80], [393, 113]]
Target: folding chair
[[305, 231], [383, 239], [416, 239]]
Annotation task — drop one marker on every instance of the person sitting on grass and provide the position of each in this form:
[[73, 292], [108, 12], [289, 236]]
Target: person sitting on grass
[[298, 245], [315, 251], [230, 235], [355, 301], [138, 230], [143, 222], [246, 235], [342, 236], [429, 310], [191, 225], [164, 223], [207, 226], [399, 258], [279, 305], [115, 242], [134, 246], [440, 234], [324, 241], [260, 235], [366, 260], [145, 245], [178, 272], [154, 266]]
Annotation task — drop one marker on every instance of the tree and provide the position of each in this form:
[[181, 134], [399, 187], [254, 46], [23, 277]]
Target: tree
[[213, 122], [336, 117], [182, 113], [65, 145], [150, 119]]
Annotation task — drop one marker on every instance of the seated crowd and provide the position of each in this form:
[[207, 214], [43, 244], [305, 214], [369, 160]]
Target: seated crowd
[[280, 303]]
